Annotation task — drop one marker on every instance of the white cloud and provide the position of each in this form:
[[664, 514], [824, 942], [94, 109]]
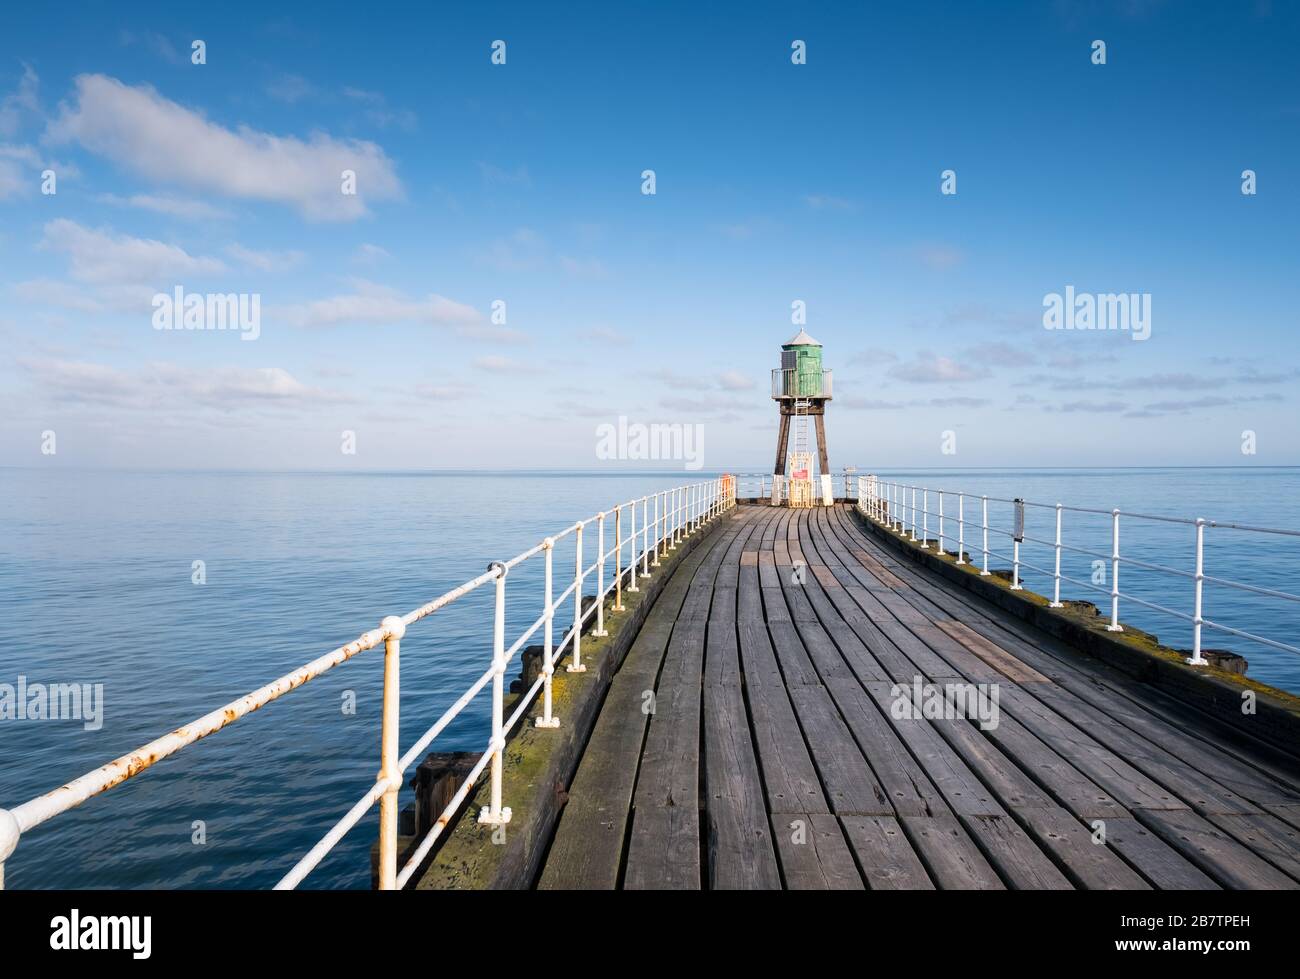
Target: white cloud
[[12, 181], [504, 365], [933, 369], [605, 334], [20, 169], [172, 206], [583, 268], [22, 100], [735, 381], [160, 139], [290, 89], [487, 333], [372, 304], [368, 254], [265, 261], [172, 385], [1001, 354], [938, 256], [103, 258], [51, 292]]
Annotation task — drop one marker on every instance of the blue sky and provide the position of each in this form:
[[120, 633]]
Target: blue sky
[[521, 182]]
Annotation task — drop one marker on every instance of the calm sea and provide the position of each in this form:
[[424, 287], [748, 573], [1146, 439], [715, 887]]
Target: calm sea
[[96, 587]]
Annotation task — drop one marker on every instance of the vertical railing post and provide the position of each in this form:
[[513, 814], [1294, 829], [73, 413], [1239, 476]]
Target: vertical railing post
[[1197, 659], [984, 519], [618, 559], [913, 513], [548, 642], [645, 537], [600, 576], [394, 628], [1114, 574], [493, 813], [941, 548], [672, 522], [10, 833], [961, 528], [925, 518], [1056, 574], [659, 529], [575, 665]]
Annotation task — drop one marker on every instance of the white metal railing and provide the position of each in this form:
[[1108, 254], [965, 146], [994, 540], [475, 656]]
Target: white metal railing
[[667, 518], [894, 505], [790, 383]]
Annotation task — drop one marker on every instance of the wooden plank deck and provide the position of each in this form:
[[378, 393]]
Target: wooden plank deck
[[751, 740]]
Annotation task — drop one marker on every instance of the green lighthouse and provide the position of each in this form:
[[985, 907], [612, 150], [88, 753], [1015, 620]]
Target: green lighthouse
[[801, 387]]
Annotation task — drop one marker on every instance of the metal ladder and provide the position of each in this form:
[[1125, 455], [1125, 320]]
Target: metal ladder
[[801, 406]]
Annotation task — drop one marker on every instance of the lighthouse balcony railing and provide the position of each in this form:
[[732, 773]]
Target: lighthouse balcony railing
[[789, 383], [644, 531]]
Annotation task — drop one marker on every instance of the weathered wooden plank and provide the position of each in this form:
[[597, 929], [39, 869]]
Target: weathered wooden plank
[[790, 780], [738, 843], [1270, 837], [1289, 814], [796, 665], [814, 856], [1214, 851], [887, 859], [1019, 860], [587, 847], [909, 789], [991, 653], [1153, 858], [950, 855], [664, 838], [1064, 782], [850, 785], [963, 792], [1005, 780], [1090, 865]]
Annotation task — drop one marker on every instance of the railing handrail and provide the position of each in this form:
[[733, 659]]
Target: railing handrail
[[893, 504], [684, 508]]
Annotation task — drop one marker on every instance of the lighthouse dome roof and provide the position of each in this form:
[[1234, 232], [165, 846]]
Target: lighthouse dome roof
[[801, 339]]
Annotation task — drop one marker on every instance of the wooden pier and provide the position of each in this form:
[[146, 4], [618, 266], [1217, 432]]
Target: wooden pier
[[750, 738]]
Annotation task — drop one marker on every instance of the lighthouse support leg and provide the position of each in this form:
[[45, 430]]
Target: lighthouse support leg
[[782, 442], [828, 493], [822, 456]]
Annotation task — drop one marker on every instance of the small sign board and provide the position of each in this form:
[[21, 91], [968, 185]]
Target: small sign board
[[1020, 519]]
